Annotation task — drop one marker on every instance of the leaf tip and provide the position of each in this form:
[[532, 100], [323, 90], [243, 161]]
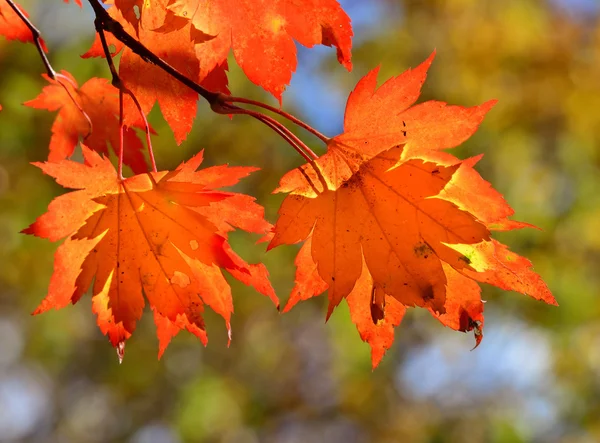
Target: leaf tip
[[120, 348], [330, 309], [376, 357], [43, 307], [490, 104], [428, 61], [28, 231]]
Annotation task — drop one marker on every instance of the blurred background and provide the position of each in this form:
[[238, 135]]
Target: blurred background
[[292, 378]]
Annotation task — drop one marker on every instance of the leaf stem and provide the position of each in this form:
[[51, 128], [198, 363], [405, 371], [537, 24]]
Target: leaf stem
[[277, 126], [37, 39], [290, 117], [58, 77], [146, 128], [116, 80], [52, 74], [282, 131], [121, 130], [117, 83]]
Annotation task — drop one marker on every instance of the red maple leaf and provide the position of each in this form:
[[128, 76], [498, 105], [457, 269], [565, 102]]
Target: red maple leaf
[[100, 102], [159, 237], [262, 33], [393, 221], [128, 10]]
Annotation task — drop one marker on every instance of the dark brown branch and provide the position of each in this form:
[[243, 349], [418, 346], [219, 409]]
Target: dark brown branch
[[106, 22], [116, 80], [37, 39]]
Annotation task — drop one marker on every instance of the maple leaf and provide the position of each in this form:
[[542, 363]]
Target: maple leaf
[[12, 27], [376, 316], [262, 33], [159, 236], [394, 221], [100, 101], [149, 83], [385, 213], [128, 10], [136, 14]]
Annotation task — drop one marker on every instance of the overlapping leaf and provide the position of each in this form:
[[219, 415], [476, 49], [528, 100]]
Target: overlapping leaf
[[157, 237], [99, 100], [196, 37], [149, 83], [261, 34], [393, 221]]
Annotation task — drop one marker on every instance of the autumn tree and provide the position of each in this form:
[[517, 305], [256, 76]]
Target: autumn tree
[[386, 218]]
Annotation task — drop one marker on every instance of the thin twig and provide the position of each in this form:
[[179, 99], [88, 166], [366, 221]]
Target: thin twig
[[52, 74], [116, 80], [37, 39]]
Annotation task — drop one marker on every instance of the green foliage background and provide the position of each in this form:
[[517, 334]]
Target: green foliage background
[[291, 378]]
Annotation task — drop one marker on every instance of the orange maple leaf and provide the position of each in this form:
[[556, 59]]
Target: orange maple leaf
[[262, 33], [149, 83], [393, 221], [159, 236], [100, 102], [128, 9]]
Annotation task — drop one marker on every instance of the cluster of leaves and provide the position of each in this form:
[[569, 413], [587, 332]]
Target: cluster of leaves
[[387, 217]]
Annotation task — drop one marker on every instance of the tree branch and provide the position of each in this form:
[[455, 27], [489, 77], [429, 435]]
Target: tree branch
[[37, 39], [107, 23]]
